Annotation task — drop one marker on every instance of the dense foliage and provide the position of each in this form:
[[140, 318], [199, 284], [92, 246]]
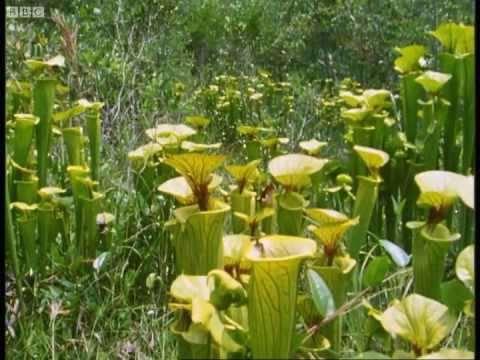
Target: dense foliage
[[242, 179]]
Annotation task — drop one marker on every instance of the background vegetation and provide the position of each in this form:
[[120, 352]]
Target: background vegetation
[[149, 61]]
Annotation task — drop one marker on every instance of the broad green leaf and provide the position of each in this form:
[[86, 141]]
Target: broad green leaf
[[408, 60], [293, 170], [398, 255], [433, 81], [376, 271], [312, 147], [439, 189], [455, 294], [464, 267], [321, 295], [421, 321], [187, 287], [192, 147], [180, 131], [198, 122], [449, 354]]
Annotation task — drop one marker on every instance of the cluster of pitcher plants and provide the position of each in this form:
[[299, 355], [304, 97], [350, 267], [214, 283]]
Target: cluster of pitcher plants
[[276, 243], [55, 209]]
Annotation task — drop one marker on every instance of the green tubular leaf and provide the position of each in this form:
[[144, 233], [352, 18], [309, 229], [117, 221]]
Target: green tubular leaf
[[411, 92], [465, 267], [294, 170], [26, 190], [272, 293], [430, 246], [365, 200], [11, 239], [290, 207], [449, 354], [74, 139], [27, 226], [242, 203], [408, 61], [24, 130], [337, 278], [468, 92], [88, 232], [433, 81], [47, 232], [94, 131], [321, 295], [43, 100], [199, 232], [451, 65], [421, 321]]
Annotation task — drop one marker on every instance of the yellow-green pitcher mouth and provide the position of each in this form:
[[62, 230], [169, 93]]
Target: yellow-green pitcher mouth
[[184, 213], [280, 248]]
